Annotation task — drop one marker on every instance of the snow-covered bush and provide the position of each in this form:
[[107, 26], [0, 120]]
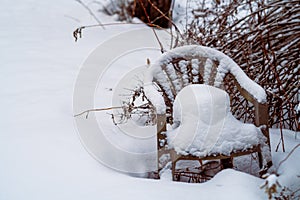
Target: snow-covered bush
[[263, 37]]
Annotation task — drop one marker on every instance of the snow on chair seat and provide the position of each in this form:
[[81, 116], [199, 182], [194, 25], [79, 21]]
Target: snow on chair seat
[[194, 64], [204, 127]]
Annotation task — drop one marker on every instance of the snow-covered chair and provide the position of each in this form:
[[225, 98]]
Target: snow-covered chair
[[203, 126]]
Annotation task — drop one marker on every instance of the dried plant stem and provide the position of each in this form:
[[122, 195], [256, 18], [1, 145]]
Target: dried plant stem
[[91, 12], [292, 151], [149, 21], [166, 17], [78, 32], [95, 110]]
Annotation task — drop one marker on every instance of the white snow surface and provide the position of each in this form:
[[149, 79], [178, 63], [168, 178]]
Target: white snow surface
[[206, 125], [41, 156]]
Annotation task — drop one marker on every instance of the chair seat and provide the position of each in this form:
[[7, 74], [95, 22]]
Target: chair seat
[[204, 125], [218, 156]]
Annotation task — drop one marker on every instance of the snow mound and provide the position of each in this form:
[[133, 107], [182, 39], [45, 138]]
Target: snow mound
[[205, 126]]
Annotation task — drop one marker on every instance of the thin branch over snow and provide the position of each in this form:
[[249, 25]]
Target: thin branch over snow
[[87, 112], [91, 12], [292, 151]]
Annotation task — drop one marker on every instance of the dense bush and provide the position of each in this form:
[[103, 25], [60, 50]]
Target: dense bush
[[263, 37]]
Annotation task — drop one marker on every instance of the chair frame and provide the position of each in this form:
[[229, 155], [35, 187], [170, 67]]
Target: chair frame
[[261, 118], [260, 112]]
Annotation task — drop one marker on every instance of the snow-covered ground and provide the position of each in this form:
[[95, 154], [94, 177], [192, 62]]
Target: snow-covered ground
[[41, 156]]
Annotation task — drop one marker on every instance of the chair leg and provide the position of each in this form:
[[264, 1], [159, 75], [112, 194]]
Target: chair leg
[[174, 159], [227, 163], [260, 159], [173, 171]]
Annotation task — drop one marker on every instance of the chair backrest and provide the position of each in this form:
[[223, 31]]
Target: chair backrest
[[194, 64], [183, 71]]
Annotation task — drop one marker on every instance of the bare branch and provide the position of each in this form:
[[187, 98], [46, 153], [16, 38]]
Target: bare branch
[[91, 12], [292, 151], [96, 110]]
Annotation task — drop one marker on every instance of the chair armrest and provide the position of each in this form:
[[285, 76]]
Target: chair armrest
[[260, 109]]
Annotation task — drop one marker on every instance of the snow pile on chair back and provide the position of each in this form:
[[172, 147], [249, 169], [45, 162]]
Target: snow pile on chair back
[[202, 59], [204, 125]]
